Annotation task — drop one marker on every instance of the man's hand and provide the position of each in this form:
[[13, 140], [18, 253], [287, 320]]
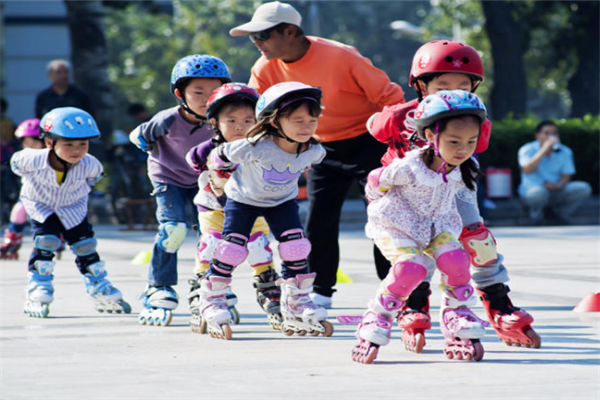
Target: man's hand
[[552, 186]]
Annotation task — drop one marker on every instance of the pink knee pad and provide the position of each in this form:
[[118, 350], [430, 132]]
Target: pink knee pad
[[294, 248], [405, 276], [18, 215], [230, 252], [454, 266]]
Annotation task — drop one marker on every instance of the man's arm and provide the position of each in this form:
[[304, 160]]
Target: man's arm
[[532, 164], [376, 84]]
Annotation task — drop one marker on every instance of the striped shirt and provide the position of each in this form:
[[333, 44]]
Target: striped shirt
[[41, 194]]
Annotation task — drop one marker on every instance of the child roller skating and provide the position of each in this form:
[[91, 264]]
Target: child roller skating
[[264, 182], [167, 137], [414, 221], [28, 133], [56, 184], [230, 110], [435, 67]]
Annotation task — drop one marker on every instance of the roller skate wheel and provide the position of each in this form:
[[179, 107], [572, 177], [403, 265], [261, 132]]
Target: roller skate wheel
[[301, 333], [235, 315], [535, 338], [287, 332], [458, 355], [226, 332], [328, 328], [314, 333], [125, 307], [203, 327], [365, 353], [449, 354], [142, 320], [479, 351]]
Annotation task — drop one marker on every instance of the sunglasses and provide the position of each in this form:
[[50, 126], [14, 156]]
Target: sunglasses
[[262, 35]]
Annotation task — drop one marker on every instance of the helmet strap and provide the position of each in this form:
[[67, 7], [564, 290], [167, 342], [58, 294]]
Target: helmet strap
[[280, 133], [63, 162], [442, 169]]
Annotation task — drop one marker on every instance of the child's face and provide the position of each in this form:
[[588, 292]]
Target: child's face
[[458, 141], [197, 93], [450, 81], [299, 125], [72, 151], [235, 122], [29, 142]]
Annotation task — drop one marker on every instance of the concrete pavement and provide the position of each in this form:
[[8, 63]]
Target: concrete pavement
[[78, 353]]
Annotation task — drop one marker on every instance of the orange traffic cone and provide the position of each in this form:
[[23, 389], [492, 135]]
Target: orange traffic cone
[[590, 303]]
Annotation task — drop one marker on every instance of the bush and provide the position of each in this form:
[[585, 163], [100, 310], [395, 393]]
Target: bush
[[582, 135]]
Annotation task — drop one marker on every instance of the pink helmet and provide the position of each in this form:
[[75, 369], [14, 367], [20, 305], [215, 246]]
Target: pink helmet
[[29, 127]]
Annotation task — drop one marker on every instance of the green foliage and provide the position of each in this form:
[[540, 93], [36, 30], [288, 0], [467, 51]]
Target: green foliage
[[582, 135], [144, 46]]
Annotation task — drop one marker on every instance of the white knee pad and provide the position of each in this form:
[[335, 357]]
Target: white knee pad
[[47, 242], [84, 247], [171, 236], [294, 248], [208, 242], [259, 251]]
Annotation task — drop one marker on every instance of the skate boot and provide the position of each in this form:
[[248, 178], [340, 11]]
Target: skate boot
[[414, 318], [194, 303], [9, 250], [300, 314], [461, 328], [39, 290], [106, 297], [159, 303], [376, 327], [512, 324], [213, 307], [268, 296]]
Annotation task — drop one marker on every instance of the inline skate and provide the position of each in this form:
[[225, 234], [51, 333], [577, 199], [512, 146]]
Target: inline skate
[[414, 318], [194, 303], [213, 307], [268, 296], [39, 292], [9, 250], [512, 324], [159, 303], [461, 328], [375, 329], [105, 296], [300, 314]]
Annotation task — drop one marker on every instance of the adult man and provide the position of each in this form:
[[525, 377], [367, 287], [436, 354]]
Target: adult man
[[546, 171], [353, 89], [61, 93]]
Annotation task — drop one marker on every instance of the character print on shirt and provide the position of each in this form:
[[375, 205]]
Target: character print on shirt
[[276, 180]]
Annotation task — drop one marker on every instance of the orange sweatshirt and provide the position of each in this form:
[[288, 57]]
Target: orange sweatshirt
[[353, 89]]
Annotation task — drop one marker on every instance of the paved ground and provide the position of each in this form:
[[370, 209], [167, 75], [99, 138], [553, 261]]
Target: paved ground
[[77, 353]]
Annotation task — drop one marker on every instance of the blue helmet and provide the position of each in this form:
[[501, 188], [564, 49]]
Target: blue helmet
[[199, 66], [69, 123]]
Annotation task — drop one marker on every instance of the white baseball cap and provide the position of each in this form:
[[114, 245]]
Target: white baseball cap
[[267, 16]]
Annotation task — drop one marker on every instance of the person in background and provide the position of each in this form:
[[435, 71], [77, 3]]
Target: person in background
[[61, 93], [547, 169]]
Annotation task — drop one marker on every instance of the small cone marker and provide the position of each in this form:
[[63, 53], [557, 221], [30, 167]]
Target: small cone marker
[[590, 303], [342, 277], [143, 257]]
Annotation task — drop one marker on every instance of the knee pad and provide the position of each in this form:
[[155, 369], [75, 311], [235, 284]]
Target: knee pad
[[171, 236], [84, 247], [259, 251], [453, 262], [405, 275], [206, 247], [294, 248], [18, 215], [230, 252], [47, 242], [480, 243]]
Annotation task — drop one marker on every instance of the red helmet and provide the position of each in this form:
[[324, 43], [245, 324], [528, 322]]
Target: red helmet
[[229, 92], [29, 127], [446, 56]]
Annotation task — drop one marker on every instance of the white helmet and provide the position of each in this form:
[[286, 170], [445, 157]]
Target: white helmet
[[283, 93]]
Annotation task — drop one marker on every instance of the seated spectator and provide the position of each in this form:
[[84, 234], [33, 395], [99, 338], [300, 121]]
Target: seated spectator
[[546, 171]]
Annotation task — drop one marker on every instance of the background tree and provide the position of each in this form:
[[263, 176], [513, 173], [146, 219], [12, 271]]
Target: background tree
[[90, 59]]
